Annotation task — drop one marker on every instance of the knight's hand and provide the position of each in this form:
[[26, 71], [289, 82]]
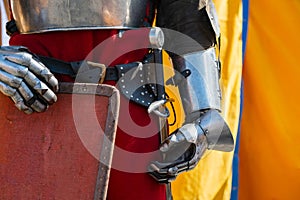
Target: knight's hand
[[26, 80], [183, 149], [181, 152]]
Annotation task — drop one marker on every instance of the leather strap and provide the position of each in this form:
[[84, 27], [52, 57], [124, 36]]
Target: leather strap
[[71, 68]]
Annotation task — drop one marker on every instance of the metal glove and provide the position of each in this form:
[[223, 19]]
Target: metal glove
[[26, 80], [183, 149]]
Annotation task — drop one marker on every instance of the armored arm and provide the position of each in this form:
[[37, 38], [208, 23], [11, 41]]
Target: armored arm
[[194, 58]]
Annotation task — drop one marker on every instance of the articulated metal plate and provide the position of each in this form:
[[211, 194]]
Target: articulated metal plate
[[212, 14], [56, 154], [40, 16], [201, 89]]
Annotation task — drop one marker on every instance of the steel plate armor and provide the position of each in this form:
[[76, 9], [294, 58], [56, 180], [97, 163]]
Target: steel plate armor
[[193, 56], [78, 14]]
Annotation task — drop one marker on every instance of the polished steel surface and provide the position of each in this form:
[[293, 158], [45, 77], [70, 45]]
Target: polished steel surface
[[201, 89], [45, 15], [156, 37], [23, 76]]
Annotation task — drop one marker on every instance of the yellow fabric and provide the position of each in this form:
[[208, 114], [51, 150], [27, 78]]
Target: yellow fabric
[[211, 179], [270, 147]]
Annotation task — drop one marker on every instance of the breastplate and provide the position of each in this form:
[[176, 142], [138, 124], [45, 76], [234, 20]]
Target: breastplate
[[33, 16]]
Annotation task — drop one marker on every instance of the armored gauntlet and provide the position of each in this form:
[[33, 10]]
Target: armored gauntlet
[[26, 80]]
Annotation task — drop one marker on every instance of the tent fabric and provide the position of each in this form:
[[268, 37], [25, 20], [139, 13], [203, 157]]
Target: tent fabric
[[269, 144], [212, 178]]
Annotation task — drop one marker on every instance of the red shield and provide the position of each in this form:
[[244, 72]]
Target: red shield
[[61, 153]]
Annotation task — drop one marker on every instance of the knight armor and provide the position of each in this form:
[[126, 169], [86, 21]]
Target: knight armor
[[194, 58], [56, 15]]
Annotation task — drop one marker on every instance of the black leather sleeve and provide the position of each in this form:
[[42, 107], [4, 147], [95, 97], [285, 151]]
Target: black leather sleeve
[[185, 17]]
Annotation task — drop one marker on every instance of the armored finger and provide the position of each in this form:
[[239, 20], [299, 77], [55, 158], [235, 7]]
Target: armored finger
[[38, 106], [183, 167], [157, 167], [40, 88], [19, 103], [41, 70], [16, 83], [16, 97], [29, 98], [166, 172], [38, 68], [21, 71], [12, 49], [13, 68], [10, 80], [161, 174]]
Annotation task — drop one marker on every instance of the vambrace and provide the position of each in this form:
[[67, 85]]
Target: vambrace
[[200, 94], [200, 90]]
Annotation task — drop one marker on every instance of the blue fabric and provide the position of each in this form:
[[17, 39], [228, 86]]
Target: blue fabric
[[235, 165], [245, 24]]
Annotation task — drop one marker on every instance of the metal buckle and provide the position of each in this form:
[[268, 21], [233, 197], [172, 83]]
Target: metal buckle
[[91, 72]]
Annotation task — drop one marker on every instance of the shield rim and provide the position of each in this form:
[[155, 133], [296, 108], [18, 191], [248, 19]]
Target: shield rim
[[113, 95]]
